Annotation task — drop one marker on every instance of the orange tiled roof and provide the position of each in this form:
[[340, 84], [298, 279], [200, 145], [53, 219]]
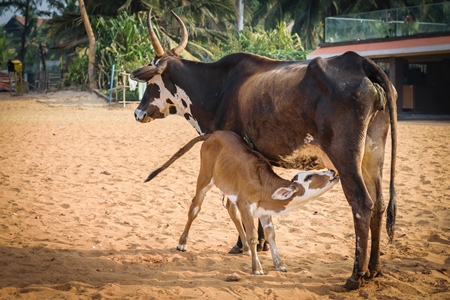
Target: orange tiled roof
[[425, 45], [21, 20]]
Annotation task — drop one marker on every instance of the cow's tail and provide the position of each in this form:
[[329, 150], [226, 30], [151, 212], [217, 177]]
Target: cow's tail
[[376, 75], [177, 155]]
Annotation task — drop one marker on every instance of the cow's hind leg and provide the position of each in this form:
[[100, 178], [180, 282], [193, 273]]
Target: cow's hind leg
[[362, 205], [204, 183], [269, 231], [372, 171]]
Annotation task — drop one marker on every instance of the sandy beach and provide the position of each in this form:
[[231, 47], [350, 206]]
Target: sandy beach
[[77, 220]]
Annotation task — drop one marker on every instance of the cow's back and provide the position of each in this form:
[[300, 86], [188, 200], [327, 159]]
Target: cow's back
[[299, 104]]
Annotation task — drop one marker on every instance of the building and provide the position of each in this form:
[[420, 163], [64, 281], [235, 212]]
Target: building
[[412, 45], [14, 27]]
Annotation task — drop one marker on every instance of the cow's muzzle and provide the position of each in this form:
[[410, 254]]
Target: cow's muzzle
[[140, 115]]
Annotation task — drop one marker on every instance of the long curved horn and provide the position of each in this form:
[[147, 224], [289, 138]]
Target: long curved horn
[[159, 50], [184, 36]]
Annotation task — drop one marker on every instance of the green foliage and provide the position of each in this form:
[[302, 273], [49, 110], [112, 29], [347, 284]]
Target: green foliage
[[278, 43], [122, 41], [6, 51], [77, 74]]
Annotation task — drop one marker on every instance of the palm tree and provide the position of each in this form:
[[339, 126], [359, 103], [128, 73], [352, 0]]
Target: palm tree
[[307, 16], [29, 10], [91, 37], [206, 20]]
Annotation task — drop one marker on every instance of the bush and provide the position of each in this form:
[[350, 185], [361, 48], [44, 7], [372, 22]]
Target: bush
[[277, 44], [77, 73]]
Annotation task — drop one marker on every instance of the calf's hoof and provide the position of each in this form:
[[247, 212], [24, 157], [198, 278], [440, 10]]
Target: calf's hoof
[[235, 250], [258, 272], [182, 248], [353, 284]]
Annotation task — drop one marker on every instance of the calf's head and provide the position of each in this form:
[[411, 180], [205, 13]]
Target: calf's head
[[307, 185], [161, 96]]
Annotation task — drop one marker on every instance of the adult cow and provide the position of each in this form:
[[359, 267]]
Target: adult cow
[[332, 113]]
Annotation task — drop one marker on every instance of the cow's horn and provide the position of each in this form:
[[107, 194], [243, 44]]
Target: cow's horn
[[159, 51], [184, 36]]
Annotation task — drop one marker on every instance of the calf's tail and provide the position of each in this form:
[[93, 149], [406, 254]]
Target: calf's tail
[[375, 74], [177, 155]]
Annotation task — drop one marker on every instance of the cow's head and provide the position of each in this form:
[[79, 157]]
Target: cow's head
[[162, 97], [307, 185]]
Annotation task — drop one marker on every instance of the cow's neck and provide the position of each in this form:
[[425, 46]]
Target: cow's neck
[[201, 85]]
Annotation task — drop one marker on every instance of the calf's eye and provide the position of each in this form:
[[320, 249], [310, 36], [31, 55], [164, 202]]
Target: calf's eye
[[308, 178]]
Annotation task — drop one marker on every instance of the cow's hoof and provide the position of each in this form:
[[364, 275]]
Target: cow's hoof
[[372, 274], [374, 271], [263, 245], [260, 272], [282, 269], [235, 250], [260, 245], [182, 248], [353, 284]]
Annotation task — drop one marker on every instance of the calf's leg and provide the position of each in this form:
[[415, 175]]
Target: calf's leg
[[233, 211], [252, 237], [263, 244], [203, 185], [269, 231]]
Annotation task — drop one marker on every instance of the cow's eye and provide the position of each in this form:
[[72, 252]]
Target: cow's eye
[[308, 178]]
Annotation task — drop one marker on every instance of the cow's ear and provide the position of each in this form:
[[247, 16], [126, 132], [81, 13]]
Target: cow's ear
[[284, 193], [144, 74]]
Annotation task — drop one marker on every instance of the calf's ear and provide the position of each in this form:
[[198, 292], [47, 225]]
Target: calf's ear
[[284, 193]]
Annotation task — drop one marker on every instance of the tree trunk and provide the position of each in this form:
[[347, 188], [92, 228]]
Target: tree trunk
[[91, 37], [239, 26], [26, 27]]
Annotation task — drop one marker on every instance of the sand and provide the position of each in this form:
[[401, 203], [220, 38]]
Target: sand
[[78, 222]]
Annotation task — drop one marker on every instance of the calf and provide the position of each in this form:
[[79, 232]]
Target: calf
[[252, 188]]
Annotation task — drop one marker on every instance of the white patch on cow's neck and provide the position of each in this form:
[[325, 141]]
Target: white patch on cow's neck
[[177, 100], [308, 138]]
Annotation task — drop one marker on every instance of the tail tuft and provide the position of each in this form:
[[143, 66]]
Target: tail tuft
[[391, 216], [153, 175]]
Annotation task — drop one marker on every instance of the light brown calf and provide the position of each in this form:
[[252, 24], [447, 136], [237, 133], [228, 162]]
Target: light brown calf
[[252, 188]]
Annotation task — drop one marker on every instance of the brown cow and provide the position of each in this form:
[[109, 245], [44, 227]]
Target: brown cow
[[332, 113], [252, 188]]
